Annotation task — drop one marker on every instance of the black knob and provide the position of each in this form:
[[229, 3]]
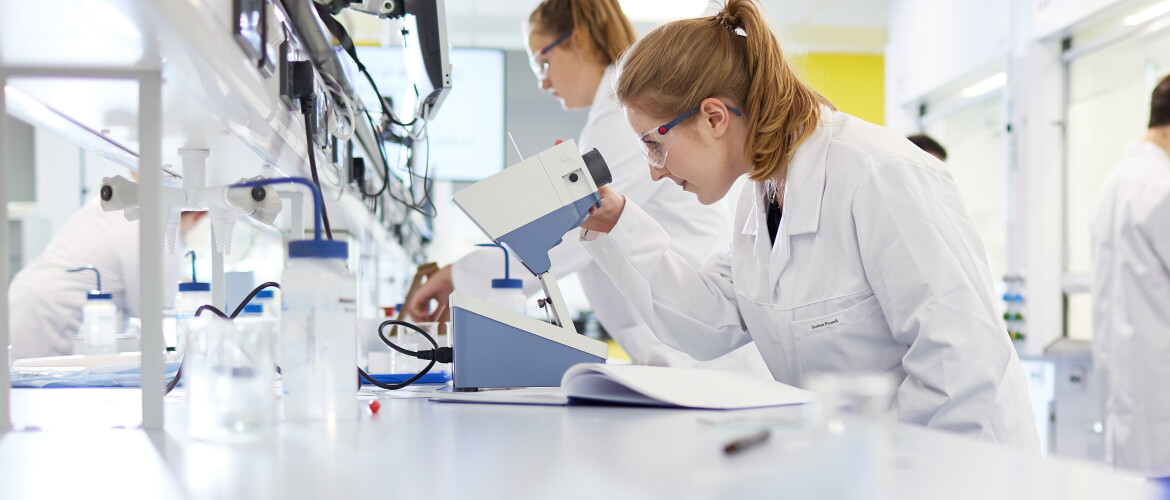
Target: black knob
[[597, 168], [258, 193], [107, 193], [573, 177]]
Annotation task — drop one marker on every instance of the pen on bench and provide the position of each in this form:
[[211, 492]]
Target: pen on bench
[[746, 442]]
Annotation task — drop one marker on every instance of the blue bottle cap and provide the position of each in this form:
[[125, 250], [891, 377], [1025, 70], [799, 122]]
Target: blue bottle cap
[[507, 283], [98, 296], [266, 293], [195, 286], [318, 249], [253, 309]]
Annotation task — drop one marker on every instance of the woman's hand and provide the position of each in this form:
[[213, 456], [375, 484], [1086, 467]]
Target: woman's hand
[[437, 287], [603, 219]]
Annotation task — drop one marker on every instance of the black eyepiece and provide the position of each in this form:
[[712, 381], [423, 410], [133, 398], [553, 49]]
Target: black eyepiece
[[597, 167]]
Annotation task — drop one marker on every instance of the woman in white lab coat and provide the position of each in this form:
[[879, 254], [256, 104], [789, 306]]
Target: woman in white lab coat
[[572, 45], [45, 301], [1131, 294], [852, 250]]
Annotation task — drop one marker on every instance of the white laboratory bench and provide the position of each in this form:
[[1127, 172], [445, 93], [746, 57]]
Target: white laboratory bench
[[64, 447]]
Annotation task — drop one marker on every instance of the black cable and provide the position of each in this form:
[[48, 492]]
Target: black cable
[[240, 308], [306, 105], [209, 307], [174, 382], [338, 31], [179, 373], [436, 355], [385, 162]]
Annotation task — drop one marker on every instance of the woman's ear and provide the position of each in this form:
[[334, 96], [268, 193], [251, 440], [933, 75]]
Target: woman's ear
[[715, 115], [583, 44]]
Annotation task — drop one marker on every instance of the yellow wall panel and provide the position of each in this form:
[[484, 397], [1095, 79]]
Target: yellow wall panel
[[854, 82]]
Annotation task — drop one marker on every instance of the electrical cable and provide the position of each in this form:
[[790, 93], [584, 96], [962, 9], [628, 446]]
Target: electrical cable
[[436, 355], [313, 161], [174, 382], [348, 103], [240, 308], [342, 35], [209, 307], [339, 32], [385, 162]]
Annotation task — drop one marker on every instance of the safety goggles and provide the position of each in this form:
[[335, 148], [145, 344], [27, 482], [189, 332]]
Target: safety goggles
[[539, 60], [655, 144]]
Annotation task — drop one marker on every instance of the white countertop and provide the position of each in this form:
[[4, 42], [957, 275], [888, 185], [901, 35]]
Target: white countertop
[[414, 448]]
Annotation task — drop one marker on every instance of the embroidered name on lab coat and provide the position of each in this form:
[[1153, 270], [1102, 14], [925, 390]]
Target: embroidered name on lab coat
[[823, 324]]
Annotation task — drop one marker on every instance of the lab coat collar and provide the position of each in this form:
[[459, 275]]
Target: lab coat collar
[[1146, 150], [804, 189]]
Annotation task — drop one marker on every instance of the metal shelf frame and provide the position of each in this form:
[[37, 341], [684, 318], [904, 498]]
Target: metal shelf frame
[[150, 230]]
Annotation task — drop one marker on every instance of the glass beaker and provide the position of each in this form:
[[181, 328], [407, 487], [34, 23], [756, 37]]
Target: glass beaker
[[411, 340], [229, 375]]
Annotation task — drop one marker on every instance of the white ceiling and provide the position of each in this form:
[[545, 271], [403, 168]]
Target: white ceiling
[[813, 25]]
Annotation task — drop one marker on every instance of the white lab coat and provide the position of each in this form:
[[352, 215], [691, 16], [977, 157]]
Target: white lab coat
[[876, 268], [1131, 309], [696, 229], [45, 302]]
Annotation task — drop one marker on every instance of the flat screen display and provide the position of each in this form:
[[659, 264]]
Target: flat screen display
[[467, 134]]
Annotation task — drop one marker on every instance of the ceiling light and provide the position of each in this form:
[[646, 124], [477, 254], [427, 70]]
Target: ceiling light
[[991, 83], [1147, 14]]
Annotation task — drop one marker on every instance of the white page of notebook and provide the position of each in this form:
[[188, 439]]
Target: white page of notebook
[[684, 387]]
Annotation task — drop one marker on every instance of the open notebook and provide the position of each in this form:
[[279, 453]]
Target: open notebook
[[647, 386]]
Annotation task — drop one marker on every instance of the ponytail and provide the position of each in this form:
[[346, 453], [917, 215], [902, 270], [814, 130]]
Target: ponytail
[[733, 55]]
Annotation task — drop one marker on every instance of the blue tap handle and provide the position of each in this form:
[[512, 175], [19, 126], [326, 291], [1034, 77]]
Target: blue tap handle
[[90, 268], [507, 264]]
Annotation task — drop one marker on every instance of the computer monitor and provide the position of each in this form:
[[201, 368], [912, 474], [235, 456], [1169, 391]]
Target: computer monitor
[[467, 137]]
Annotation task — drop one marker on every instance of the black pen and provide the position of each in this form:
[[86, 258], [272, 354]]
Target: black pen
[[746, 442]]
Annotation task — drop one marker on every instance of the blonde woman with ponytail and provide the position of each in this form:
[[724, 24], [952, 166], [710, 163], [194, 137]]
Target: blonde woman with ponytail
[[851, 250], [573, 45]]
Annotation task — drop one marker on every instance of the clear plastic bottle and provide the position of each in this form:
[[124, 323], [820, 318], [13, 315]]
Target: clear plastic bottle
[[100, 322], [252, 311], [266, 299], [318, 332], [508, 293], [192, 294]]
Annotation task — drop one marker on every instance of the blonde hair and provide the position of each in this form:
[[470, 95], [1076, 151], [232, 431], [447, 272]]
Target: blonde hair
[[732, 55], [601, 20]]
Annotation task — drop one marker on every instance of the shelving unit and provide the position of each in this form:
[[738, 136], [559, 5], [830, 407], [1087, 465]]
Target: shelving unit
[[135, 81]]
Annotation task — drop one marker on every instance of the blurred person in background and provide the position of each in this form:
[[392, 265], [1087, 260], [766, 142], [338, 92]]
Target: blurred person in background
[[1131, 298], [573, 45]]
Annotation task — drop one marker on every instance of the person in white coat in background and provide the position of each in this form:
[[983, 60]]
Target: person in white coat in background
[[852, 252], [1131, 298], [572, 45], [45, 301]]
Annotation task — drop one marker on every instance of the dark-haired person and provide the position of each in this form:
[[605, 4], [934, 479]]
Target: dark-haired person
[[852, 249], [572, 45], [1131, 298], [928, 144]]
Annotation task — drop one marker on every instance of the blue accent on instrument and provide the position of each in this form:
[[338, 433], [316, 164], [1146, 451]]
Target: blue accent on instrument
[[531, 242], [492, 354]]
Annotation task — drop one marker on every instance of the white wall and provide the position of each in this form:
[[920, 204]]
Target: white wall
[[933, 43], [938, 46]]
